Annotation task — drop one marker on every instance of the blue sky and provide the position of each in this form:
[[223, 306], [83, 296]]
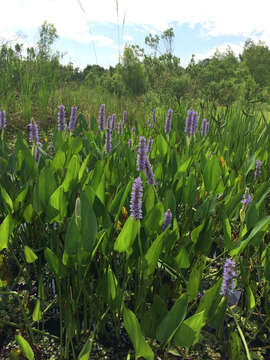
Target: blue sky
[[93, 32]]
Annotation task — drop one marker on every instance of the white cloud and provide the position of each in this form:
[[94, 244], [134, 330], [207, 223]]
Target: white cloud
[[236, 48], [67, 16], [71, 17], [128, 38]]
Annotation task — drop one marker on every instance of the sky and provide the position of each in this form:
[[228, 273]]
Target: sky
[[96, 31]]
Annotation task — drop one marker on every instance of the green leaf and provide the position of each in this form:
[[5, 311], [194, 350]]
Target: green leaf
[[153, 253], [189, 191], [132, 326], [37, 314], [45, 188], [188, 333], [83, 167], [153, 219], [149, 199], [195, 277], [54, 263], [59, 160], [211, 174], [30, 256], [216, 319], [88, 224], [259, 227], [4, 232], [127, 235], [183, 168], [20, 198], [161, 145], [100, 190], [169, 201], [182, 259], [119, 200], [250, 163], [152, 317], [250, 298], [172, 320], [72, 238], [7, 200], [228, 244], [87, 348], [72, 173], [58, 201], [205, 239], [112, 284], [235, 344], [196, 232], [75, 145], [28, 213], [99, 208], [210, 300], [25, 347]]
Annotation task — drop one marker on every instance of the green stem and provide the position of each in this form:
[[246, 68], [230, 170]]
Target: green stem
[[21, 326], [242, 336]]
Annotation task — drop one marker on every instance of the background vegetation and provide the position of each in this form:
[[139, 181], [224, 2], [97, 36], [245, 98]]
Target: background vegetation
[[81, 278], [34, 82]]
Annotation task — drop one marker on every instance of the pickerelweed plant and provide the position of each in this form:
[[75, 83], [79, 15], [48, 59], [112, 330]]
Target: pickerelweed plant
[[105, 231]]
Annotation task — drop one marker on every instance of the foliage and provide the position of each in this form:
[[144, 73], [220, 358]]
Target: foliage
[[65, 220]]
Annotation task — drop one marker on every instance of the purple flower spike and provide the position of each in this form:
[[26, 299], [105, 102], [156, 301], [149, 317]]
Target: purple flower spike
[[113, 121], [30, 132], [125, 116], [130, 143], [61, 118], [167, 219], [142, 154], [120, 128], [188, 123], [168, 122], [136, 199], [133, 129], [205, 127], [229, 274], [108, 145], [73, 118], [154, 116], [149, 173], [3, 121], [149, 145], [101, 118], [194, 125], [191, 123], [258, 168], [33, 133], [247, 198]]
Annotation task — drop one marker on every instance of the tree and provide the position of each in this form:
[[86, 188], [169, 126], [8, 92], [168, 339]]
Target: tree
[[153, 42], [133, 73], [167, 36], [47, 36], [257, 59]]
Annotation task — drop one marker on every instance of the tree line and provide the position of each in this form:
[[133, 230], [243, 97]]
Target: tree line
[[156, 74]]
